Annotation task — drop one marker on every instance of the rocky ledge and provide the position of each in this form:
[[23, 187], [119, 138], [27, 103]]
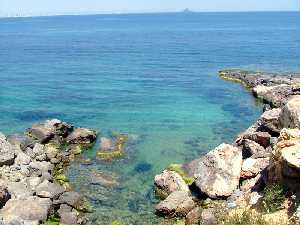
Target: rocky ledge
[[33, 187], [259, 171]]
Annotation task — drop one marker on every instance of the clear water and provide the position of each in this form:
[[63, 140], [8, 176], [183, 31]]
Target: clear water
[[152, 76]]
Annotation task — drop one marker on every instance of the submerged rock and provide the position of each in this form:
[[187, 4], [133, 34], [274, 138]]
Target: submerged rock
[[115, 151], [218, 172]]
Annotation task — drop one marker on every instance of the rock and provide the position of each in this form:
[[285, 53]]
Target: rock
[[49, 190], [193, 217], [64, 208], [68, 218], [254, 198], [178, 203], [19, 190], [208, 217], [168, 182], [218, 172], [22, 159], [73, 199], [21, 141], [270, 120], [4, 196], [29, 209], [261, 91], [33, 182], [262, 138], [251, 167], [253, 184], [290, 115], [41, 166], [253, 149], [82, 136], [104, 179], [46, 131], [7, 152], [106, 144]]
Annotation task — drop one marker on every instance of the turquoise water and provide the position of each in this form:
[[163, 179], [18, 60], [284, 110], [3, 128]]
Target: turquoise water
[[152, 76]]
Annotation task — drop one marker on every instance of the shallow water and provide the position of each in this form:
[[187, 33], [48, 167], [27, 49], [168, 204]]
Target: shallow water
[[152, 76]]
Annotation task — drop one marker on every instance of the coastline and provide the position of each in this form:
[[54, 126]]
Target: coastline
[[238, 179]]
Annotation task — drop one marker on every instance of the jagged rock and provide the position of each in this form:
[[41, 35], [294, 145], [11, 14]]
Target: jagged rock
[[253, 149], [262, 138], [218, 172], [178, 203], [49, 190], [251, 167], [193, 217], [82, 136], [290, 115], [44, 132], [73, 199], [168, 182], [29, 209], [261, 91], [33, 182], [7, 152], [270, 120], [4, 195]]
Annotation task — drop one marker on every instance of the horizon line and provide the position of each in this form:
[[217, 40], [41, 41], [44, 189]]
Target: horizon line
[[145, 12]]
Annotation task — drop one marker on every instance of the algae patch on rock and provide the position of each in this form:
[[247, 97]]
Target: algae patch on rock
[[117, 149]]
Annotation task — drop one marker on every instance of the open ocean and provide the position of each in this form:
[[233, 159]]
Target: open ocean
[[152, 76]]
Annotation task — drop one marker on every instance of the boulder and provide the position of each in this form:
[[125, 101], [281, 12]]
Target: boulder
[[253, 149], [68, 218], [49, 190], [178, 203], [82, 136], [21, 141], [44, 132], [251, 167], [22, 159], [290, 115], [253, 184], [106, 144], [217, 173], [41, 166], [19, 190], [262, 138], [73, 199], [7, 152], [168, 182], [29, 209], [270, 120], [208, 217]]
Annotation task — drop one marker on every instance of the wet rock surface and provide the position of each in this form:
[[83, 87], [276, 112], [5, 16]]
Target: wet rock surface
[[33, 186]]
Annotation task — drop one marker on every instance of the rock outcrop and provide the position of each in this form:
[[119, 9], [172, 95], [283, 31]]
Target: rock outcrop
[[32, 183], [219, 168]]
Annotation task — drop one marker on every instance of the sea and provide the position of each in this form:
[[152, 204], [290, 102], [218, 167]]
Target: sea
[[153, 77]]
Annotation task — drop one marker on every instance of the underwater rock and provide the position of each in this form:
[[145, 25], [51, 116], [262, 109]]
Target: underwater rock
[[117, 151], [142, 167], [106, 144], [104, 179], [218, 172], [168, 182]]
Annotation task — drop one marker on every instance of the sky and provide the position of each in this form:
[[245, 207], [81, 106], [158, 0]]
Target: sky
[[54, 7]]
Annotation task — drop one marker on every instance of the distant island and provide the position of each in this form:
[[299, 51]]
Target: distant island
[[187, 10]]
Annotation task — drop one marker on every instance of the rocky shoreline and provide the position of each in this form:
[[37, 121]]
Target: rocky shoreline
[[258, 173], [33, 187]]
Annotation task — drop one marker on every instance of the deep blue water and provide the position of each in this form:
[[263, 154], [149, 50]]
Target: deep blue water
[[153, 76]]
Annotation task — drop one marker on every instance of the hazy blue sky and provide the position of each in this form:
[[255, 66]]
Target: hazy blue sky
[[8, 7]]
